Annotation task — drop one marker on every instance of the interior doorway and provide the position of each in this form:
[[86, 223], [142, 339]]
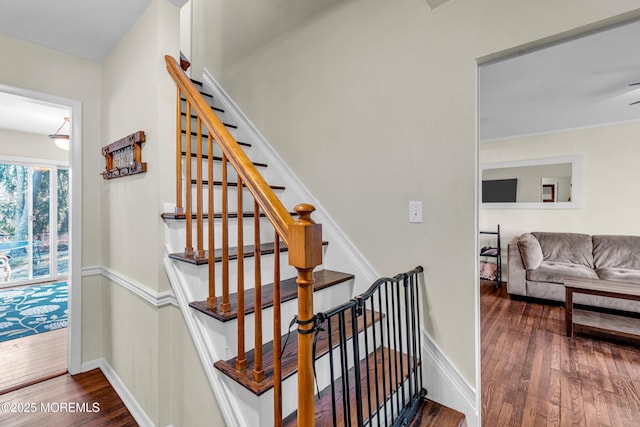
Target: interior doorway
[[35, 245], [567, 103]]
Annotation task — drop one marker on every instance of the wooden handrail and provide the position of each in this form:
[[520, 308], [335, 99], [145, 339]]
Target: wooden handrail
[[264, 195]]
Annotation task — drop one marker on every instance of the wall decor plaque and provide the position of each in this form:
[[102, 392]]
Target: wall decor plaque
[[124, 157]]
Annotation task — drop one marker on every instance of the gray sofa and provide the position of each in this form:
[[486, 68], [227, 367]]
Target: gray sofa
[[539, 261]]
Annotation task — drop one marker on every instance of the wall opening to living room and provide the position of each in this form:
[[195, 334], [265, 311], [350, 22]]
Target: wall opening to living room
[[571, 99]]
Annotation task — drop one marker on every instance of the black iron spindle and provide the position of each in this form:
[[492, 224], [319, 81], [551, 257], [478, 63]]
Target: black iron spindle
[[366, 352], [356, 367]]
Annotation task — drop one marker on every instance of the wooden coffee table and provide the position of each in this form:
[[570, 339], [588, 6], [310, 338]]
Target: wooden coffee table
[[627, 327]]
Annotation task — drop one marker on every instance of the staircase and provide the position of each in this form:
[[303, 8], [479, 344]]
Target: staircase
[[243, 267]]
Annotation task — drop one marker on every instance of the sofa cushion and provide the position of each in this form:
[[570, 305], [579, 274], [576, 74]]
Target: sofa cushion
[[619, 274], [616, 252], [567, 248], [530, 251], [555, 272]]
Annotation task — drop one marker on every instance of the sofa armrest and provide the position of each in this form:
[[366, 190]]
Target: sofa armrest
[[517, 274]]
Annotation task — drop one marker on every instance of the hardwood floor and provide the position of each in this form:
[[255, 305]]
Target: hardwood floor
[[26, 360], [82, 400], [534, 375]]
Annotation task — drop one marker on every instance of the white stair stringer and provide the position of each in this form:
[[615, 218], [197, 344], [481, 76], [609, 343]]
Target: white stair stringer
[[231, 411]]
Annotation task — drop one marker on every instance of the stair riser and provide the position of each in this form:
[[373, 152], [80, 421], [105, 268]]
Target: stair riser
[[232, 176], [224, 118], [198, 276], [232, 198], [205, 147], [175, 235], [211, 101]]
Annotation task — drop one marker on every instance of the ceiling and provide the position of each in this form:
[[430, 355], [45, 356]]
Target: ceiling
[[580, 83], [87, 29]]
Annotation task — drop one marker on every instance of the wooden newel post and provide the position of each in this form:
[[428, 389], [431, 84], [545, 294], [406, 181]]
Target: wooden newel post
[[305, 253]]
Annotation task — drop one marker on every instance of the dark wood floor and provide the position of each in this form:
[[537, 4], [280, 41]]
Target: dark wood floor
[[26, 360], [533, 375], [82, 400]]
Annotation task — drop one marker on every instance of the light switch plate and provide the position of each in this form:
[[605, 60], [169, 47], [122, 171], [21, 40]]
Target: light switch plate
[[415, 211]]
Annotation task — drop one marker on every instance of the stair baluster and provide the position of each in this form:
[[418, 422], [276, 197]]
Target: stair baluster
[[212, 300], [188, 249], [179, 209], [241, 360], [199, 193], [225, 306], [258, 371]]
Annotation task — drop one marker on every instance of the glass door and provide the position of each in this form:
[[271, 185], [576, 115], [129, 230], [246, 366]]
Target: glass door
[[62, 232], [33, 224]]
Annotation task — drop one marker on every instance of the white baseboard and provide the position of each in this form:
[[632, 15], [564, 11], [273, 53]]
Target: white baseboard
[[444, 383], [123, 392]]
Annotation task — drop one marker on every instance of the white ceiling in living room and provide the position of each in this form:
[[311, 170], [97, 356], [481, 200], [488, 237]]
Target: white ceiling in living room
[[579, 83]]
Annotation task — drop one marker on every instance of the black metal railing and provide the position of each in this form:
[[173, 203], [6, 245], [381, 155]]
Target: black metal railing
[[374, 361]]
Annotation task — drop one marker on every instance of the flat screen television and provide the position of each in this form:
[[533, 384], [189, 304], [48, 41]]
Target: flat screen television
[[499, 191]]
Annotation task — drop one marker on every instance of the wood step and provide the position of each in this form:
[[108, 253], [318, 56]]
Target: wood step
[[324, 401], [205, 136], [219, 159], [431, 413], [234, 184], [288, 291], [265, 249], [289, 357]]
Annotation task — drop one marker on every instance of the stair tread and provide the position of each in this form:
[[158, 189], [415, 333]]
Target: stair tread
[[204, 136], [289, 357], [288, 291], [324, 400], [216, 215], [234, 184], [431, 413], [248, 251], [219, 159]]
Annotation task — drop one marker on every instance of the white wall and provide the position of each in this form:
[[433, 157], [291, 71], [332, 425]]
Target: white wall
[[372, 103], [140, 338], [610, 173]]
